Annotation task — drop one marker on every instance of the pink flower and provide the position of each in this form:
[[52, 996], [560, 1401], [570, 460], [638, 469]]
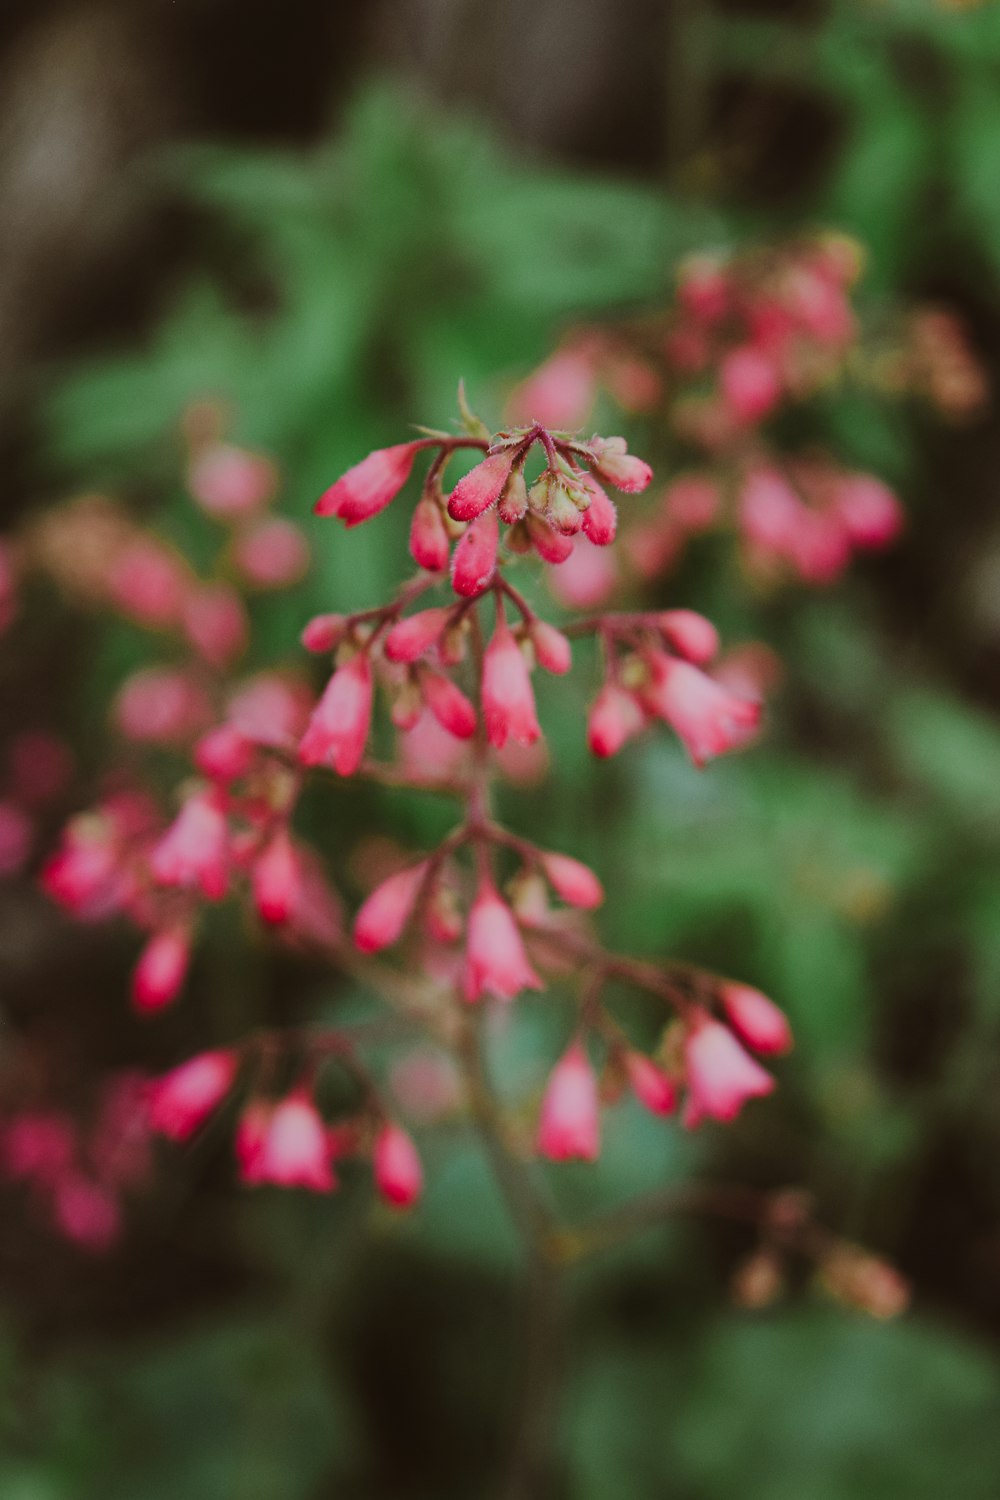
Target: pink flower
[[86, 1213], [149, 583], [552, 649], [40, 1145], [385, 913], [508, 700], [551, 545], [721, 1077], [821, 549], [230, 483], [756, 1019], [276, 878], [572, 881], [751, 387], [270, 709], [194, 850], [323, 633], [248, 1139], [183, 1099], [399, 1175], [587, 577], [690, 634], [693, 502], [448, 704], [869, 510], [86, 874], [481, 487], [708, 717], [703, 288], [161, 706], [223, 754], [651, 1086], [770, 513], [369, 486], [560, 393], [495, 961], [600, 519], [475, 559], [272, 554], [429, 544], [162, 969], [294, 1150], [615, 718], [619, 467], [215, 622], [413, 636], [338, 729], [570, 1124]]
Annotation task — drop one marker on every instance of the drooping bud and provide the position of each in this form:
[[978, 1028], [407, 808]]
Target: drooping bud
[[149, 583], [690, 634], [721, 1076], [751, 386], [495, 961], [294, 1150], [475, 559], [651, 1086], [448, 704], [413, 636], [384, 914], [708, 717], [429, 544], [338, 729], [869, 510], [508, 700], [551, 545], [223, 754], [228, 482], [614, 463], [194, 850], [481, 487], [572, 881], [756, 1019], [324, 633], [183, 1099], [276, 878], [215, 622], [551, 647], [513, 505], [569, 1126], [162, 969], [399, 1175], [614, 719], [600, 519], [370, 485]]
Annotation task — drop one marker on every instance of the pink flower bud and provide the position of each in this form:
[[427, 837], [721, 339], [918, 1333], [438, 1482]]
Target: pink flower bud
[[703, 288], [385, 913], [615, 718], [513, 503], [600, 519], [149, 583], [572, 881], [570, 1124], [272, 553], [194, 850], [162, 969], [708, 718], [869, 510], [821, 547], [86, 873], [448, 704], [508, 700], [224, 754], [369, 486], [294, 1150], [411, 637], [619, 467], [86, 1213], [756, 1019], [560, 393], [551, 545], [276, 878], [690, 634], [770, 512], [651, 1086], [429, 544], [40, 1146], [495, 961], [161, 706], [475, 559], [552, 649], [323, 633], [721, 1076], [399, 1175], [338, 728], [215, 622], [751, 387], [229, 482], [183, 1099], [481, 487]]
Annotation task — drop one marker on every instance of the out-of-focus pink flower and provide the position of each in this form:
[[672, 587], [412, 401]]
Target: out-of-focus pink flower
[[495, 961], [821, 547], [708, 718], [552, 649], [448, 704], [271, 709], [39, 1145], [651, 1086], [370, 485], [215, 622], [475, 558], [161, 706], [338, 729], [223, 754], [194, 851], [229, 482], [703, 288], [182, 1100], [271, 554], [750, 383], [770, 513], [162, 969], [41, 767], [614, 719], [508, 699], [561, 393], [481, 487], [276, 878], [86, 1213], [413, 636], [721, 1077], [573, 882], [617, 466], [693, 502], [756, 1019], [86, 874], [386, 912], [690, 634], [293, 1150], [588, 576], [570, 1124], [869, 510], [8, 586], [324, 633], [399, 1175], [428, 750], [17, 835], [149, 583]]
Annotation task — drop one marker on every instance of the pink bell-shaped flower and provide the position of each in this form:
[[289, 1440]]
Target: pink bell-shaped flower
[[338, 729], [183, 1099], [294, 1150], [370, 485], [570, 1125], [383, 916], [399, 1175], [194, 851], [495, 961], [721, 1076], [508, 699], [162, 969], [756, 1019], [276, 878]]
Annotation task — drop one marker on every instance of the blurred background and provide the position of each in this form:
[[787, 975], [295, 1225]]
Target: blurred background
[[320, 216]]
